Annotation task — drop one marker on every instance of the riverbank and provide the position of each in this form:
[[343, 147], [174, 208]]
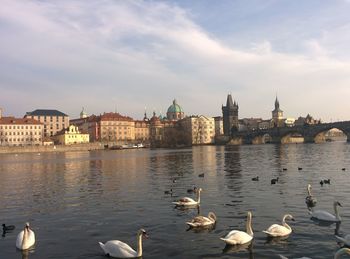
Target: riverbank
[[54, 148]]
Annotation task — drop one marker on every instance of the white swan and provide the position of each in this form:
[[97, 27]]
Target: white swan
[[236, 237], [283, 257], [341, 252], [277, 230], [345, 239], [25, 238], [201, 221], [116, 248], [310, 200], [326, 216], [186, 201]]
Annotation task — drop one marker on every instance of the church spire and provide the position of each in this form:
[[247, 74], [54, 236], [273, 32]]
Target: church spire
[[277, 103], [229, 102]]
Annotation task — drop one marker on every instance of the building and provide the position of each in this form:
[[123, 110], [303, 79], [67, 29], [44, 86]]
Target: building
[[200, 128], [230, 116], [53, 120], [219, 126], [70, 136], [20, 131], [142, 131], [277, 115], [308, 120], [249, 123], [175, 112]]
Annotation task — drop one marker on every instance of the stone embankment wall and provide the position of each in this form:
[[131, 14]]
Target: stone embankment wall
[[53, 148]]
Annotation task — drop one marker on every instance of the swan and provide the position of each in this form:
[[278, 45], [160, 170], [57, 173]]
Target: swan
[[236, 237], [25, 238], [309, 200], [326, 216], [283, 230], [119, 249], [283, 257], [201, 221], [345, 239], [341, 252], [186, 201]]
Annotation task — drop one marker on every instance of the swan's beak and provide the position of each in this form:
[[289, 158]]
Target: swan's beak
[[340, 204]]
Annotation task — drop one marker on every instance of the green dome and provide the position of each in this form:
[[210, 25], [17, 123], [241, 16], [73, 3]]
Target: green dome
[[175, 108]]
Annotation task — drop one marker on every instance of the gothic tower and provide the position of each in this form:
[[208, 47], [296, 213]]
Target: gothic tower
[[230, 116], [277, 114]]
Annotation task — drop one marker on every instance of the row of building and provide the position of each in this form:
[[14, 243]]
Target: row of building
[[45, 127]]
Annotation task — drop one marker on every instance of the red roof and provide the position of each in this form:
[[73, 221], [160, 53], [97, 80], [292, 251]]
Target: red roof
[[18, 121]]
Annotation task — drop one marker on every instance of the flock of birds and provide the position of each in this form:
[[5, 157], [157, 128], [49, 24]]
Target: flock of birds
[[118, 249]]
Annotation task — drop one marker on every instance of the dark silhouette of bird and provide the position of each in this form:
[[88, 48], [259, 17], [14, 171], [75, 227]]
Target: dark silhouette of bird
[[327, 181], [193, 190], [7, 228], [174, 180], [321, 182], [255, 178], [284, 169], [343, 169], [300, 168], [274, 181], [201, 175]]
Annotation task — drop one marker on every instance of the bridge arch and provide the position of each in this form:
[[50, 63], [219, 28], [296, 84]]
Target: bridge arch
[[262, 139], [331, 134], [292, 136]]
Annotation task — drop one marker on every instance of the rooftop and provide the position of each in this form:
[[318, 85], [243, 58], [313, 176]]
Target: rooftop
[[44, 112], [18, 121]]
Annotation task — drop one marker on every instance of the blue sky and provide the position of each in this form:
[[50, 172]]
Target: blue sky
[[127, 55]]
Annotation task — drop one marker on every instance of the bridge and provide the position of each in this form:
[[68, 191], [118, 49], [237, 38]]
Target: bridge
[[311, 133]]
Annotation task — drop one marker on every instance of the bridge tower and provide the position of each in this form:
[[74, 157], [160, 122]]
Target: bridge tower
[[230, 116], [277, 115]]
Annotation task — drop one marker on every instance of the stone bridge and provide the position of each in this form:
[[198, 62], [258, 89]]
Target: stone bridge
[[311, 133]]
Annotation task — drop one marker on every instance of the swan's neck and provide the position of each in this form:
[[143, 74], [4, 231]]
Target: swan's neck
[[336, 212], [284, 223], [308, 190], [139, 245], [199, 197], [249, 226], [25, 237]]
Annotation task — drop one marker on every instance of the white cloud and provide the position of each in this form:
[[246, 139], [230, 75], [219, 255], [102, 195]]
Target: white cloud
[[134, 53]]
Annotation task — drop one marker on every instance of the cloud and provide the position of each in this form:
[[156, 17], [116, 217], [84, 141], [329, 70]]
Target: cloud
[[131, 54]]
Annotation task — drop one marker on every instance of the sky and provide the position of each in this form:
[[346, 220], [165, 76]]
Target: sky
[[125, 56]]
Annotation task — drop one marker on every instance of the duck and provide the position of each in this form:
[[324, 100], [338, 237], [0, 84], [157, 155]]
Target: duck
[[343, 169], [325, 215], [321, 182], [193, 190], [7, 228], [201, 175], [341, 252], [25, 238], [119, 249], [277, 230], [255, 178], [327, 181], [345, 239], [310, 200], [201, 221], [274, 181], [186, 201], [284, 169], [300, 168], [237, 237]]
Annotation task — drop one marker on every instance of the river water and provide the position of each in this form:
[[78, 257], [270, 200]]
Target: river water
[[73, 200]]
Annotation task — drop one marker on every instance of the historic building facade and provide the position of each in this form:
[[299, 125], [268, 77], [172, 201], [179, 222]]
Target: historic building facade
[[70, 136], [175, 112], [53, 120], [230, 116], [20, 131], [201, 129]]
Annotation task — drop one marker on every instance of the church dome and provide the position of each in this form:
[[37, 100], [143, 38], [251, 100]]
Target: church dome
[[175, 108], [83, 114]]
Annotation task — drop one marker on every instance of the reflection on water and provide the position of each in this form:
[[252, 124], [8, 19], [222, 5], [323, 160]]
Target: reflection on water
[[75, 199]]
